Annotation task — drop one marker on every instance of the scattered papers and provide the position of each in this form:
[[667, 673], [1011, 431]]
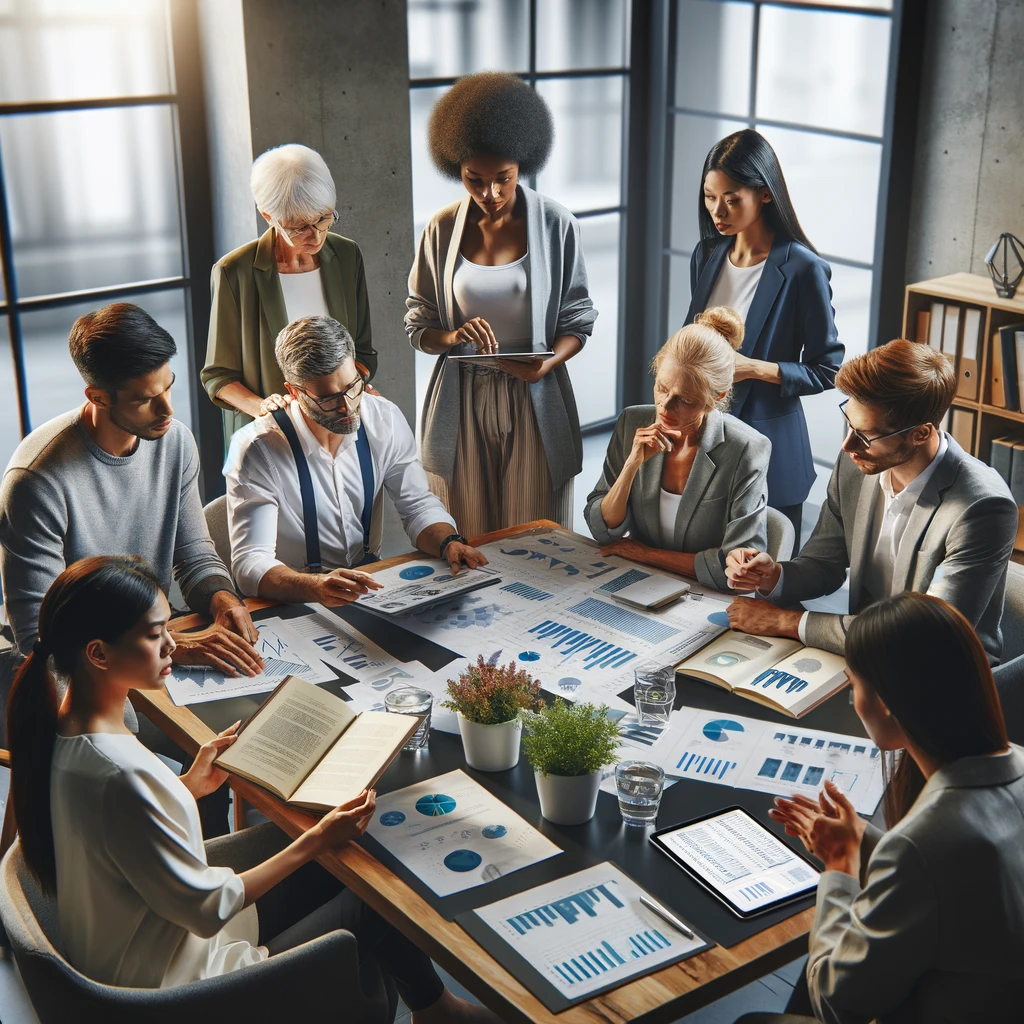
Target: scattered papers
[[453, 834], [748, 753], [587, 932], [421, 584]]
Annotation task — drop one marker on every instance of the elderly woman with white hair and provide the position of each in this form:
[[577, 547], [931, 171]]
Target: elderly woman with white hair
[[297, 268], [682, 478]]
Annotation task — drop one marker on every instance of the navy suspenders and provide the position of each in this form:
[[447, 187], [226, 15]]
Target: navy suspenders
[[313, 562]]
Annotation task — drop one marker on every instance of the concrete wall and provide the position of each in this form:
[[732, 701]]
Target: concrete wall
[[969, 164]]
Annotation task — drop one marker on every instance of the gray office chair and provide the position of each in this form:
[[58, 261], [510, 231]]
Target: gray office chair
[[299, 984], [781, 536], [1009, 673], [1013, 613], [216, 513]]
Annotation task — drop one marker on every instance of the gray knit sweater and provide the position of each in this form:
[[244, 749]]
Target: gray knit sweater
[[63, 498]]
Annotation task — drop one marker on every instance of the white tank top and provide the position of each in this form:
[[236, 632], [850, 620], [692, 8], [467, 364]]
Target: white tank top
[[669, 510], [303, 294], [501, 295], [735, 287]]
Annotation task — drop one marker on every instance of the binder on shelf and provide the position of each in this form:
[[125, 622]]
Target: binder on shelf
[[1017, 473], [923, 320], [1001, 456], [1018, 345], [997, 396], [950, 333], [935, 318], [967, 366], [1008, 345], [963, 430]]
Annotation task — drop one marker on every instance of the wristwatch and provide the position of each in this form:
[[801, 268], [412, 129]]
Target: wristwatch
[[449, 539]]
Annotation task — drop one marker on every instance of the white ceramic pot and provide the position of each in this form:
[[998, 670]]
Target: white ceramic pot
[[568, 799], [491, 748]]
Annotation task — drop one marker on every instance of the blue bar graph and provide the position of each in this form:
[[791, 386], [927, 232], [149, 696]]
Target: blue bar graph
[[524, 590], [757, 892], [570, 641], [595, 962], [628, 578], [567, 910], [625, 621], [714, 768]]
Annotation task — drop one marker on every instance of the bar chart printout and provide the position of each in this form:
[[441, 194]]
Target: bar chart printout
[[587, 932]]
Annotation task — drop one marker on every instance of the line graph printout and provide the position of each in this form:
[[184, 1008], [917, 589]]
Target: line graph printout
[[453, 834], [587, 932], [283, 655]]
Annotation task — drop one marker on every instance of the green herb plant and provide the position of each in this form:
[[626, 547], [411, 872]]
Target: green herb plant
[[491, 694], [570, 739]]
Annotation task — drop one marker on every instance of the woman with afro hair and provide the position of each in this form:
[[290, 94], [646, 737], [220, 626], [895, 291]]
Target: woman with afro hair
[[501, 271]]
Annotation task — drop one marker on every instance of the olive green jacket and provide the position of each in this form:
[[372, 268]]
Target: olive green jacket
[[249, 311]]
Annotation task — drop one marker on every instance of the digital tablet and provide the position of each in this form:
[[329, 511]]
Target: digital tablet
[[519, 357], [738, 860]]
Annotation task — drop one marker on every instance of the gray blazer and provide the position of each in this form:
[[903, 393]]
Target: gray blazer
[[724, 499], [561, 306], [936, 934], [956, 546]]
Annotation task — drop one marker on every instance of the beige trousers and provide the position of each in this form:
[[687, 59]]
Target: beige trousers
[[501, 475]]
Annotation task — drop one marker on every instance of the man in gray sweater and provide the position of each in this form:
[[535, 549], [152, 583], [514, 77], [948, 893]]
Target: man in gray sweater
[[118, 476]]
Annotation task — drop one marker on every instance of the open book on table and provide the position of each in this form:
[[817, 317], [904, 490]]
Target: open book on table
[[309, 748], [776, 671]]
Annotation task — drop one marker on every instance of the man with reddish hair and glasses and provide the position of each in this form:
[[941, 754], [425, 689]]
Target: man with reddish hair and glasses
[[907, 509]]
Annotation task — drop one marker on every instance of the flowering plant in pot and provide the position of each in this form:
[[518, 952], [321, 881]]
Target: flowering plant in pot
[[567, 745], [488, 699]]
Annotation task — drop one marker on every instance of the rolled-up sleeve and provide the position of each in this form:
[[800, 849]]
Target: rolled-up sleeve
[[406, 483], [151, 849], [614, 460], [253, 490]]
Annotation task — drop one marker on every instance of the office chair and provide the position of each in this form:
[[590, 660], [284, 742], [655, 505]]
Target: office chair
[[781, 536], [216, 513]]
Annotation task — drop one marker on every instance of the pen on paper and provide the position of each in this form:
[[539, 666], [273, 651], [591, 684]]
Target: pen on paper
[[655, 907]]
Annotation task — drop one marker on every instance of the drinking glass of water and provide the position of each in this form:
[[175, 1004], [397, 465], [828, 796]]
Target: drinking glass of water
[[639, 785], [411, 700], [654, 693]]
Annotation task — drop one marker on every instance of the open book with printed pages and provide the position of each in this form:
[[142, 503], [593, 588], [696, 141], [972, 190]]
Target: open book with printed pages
[[308, 747], [775, 671]]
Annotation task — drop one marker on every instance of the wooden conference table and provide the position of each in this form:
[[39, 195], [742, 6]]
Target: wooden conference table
[[662, 996]]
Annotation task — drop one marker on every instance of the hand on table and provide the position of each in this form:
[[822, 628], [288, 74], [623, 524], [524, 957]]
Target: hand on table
[[275, 401], [459, 555], [762, 618], [347, 821], [228, 611], [217, 647], [343, 586], [204, 777], [830, 827], [634, 550]]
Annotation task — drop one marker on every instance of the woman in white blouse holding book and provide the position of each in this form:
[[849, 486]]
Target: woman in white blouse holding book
[[110, 829]]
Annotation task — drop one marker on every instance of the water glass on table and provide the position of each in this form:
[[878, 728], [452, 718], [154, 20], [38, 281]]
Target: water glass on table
[[654, 693], [639, 785], [411, 700]]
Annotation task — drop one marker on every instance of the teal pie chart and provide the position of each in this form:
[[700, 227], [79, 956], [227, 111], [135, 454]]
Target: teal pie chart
[[434, 805], [719, 619], [718, 729], [463, 860], [392, 818], [416, 572]]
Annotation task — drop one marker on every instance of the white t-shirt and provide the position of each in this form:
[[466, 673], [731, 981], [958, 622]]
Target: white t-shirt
[[501, 295], [669, 510], [735, 287], [137, 902], [303, 294]]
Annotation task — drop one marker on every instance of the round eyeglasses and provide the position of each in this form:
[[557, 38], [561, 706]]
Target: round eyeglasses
[[321, 226]]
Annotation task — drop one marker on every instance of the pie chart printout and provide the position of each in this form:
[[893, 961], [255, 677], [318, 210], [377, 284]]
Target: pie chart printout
[[416, 572], [463, 860], [718, 729], [493, 831], [434, 805], [391, 818]]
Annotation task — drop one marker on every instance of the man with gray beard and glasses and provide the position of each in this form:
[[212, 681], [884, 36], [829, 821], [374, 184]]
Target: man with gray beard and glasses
[[306, 482]]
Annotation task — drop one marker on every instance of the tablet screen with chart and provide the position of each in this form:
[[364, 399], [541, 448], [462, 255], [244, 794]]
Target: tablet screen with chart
[[739, 860]]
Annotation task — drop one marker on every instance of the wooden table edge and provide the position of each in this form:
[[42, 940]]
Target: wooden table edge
[[657, 998]]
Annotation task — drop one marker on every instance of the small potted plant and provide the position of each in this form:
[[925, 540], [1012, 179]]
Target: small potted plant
[[567, 745], [488, 699]]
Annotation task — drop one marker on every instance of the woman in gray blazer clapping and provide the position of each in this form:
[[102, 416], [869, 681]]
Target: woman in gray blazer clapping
[[926, 921], [682, 478]]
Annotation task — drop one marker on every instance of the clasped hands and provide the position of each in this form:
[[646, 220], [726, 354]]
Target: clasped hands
[[748, 569], [478, 332]]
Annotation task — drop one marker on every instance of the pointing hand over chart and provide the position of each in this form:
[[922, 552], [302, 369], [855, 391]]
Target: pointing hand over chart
[[342, 586]]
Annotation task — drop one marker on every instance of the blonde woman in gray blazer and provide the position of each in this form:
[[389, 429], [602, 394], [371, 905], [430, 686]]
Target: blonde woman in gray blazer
[[923, 924], [684, 480]]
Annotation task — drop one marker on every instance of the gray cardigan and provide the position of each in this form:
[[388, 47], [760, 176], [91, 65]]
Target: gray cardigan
[[956, 546], [936, 933], [561, 306], [724, 500]]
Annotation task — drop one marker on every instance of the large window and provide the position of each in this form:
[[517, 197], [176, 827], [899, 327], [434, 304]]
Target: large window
[[90, 192], [576, 54], [812, 78]]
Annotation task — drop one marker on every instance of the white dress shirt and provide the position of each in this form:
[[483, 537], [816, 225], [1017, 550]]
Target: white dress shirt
[[891, 514], [265, 503], [137, 902]]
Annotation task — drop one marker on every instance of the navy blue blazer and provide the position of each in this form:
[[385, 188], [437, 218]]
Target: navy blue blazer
[[790, 322]]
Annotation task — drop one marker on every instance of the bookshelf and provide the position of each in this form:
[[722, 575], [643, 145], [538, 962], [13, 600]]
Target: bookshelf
[[971, 291]]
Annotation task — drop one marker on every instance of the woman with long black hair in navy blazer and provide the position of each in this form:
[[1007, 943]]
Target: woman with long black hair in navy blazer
[[754, 256]]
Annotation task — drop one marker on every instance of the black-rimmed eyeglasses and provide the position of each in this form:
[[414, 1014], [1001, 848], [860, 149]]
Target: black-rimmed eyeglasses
[[863, 438], [332, 403]]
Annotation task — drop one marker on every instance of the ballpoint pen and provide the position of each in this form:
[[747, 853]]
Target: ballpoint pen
[[666, 915]]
